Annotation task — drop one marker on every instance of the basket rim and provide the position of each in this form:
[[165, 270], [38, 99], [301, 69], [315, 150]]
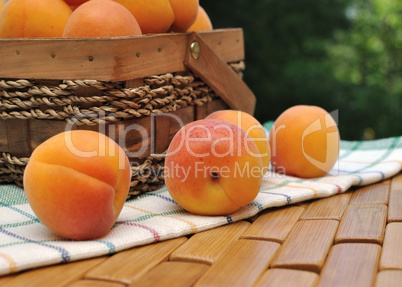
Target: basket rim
[[110, 59]]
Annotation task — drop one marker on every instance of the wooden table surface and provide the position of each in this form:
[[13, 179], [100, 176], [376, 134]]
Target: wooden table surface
[[351, 239]]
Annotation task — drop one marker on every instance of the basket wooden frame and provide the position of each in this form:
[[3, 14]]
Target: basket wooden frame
[[110, 84]]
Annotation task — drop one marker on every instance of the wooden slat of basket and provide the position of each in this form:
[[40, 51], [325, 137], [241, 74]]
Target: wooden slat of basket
[[109, 59], [214, 71], [3, 137], [41, 130], [20, 137]]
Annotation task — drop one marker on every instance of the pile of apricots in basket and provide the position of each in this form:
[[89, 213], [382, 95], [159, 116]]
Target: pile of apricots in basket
[[99, 18]]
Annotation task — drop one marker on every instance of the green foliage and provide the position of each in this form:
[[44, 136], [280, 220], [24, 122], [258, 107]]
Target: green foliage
[[343, 55]]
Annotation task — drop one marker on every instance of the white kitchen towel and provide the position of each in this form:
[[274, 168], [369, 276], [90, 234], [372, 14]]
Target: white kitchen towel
[[26, 243]]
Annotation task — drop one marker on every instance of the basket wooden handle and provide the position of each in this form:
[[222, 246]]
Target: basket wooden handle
[[215, 72]]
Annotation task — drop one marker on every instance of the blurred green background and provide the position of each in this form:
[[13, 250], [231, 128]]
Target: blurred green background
[[343, 55]]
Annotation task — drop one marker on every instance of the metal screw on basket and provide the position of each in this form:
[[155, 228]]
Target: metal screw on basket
[[195, 50]]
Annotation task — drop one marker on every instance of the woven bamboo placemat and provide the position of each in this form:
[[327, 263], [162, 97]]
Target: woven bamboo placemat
[[350, 239]]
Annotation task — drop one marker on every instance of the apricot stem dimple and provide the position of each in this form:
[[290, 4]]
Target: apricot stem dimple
[[214, 175]]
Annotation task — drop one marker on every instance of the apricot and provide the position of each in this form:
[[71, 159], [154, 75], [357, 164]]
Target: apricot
[[34, 18], [101, 18], [77, 182], [202, 22], [2, 3], [251, 126], [153, 16], [185, 14], [304, 142], [211, 167]]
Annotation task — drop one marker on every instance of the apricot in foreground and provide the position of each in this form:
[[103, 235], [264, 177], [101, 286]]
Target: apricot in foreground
[[2, 3], [77, 182], [251, 126], [304, 142], [211, 167]]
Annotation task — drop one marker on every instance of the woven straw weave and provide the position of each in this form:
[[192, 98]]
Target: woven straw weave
[[92, 102]]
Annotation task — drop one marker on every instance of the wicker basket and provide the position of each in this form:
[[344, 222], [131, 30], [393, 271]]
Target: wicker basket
[[149, 85]]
